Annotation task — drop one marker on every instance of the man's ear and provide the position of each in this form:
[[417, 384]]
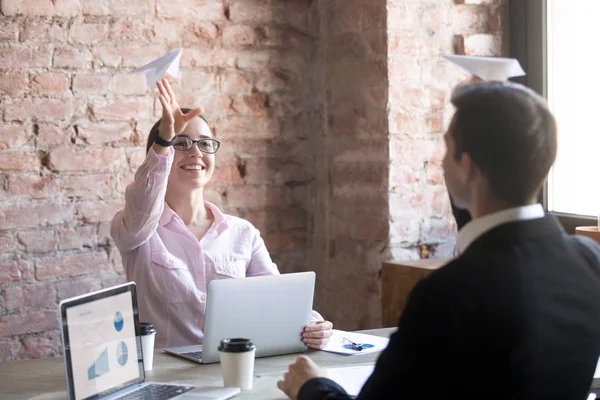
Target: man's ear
[[468, 169]]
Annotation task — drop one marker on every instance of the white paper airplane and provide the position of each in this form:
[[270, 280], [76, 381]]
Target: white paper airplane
[[488, 68], [156, 69]]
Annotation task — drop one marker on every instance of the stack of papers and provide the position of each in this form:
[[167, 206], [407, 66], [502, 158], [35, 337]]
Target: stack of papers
[[352, 379], [341, 343]]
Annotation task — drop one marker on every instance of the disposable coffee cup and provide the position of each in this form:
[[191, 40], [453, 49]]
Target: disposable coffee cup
[[237, 362], [147, 333]]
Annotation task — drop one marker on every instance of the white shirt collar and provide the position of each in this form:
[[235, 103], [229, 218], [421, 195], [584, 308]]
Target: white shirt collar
[[477, 227]]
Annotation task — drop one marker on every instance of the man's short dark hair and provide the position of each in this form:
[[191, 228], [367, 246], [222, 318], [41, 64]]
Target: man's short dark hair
[[154, 130], [510, 134]]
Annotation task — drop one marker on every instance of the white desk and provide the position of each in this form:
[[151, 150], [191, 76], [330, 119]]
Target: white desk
[[45, 379]]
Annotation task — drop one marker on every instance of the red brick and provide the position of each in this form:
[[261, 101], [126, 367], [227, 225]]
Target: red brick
[[272, 81], [130, 84], [98, 211], [122, 109], [76, 287], [98, 84], [56, 8], [434, 173], [238, 36], [199, 10], [12, 270], [38, 241], [440, 202], [13, 136], [242, 126], [286, 241], [478, 1], [199, 83], [135, 57], [402, 175], [39, 347], [351, 173], [470, 19], [29, 296], [71, 265], [200, 33], [86, 185], [50, 83], [479, 44], [214, 57], [404, 229], [33, 322], [294, 13], [251, 104], [101, 133], [253, 197], [110, 57], [13, 83], [117, 7], [7, 350], [226, 175], [41, 31], [75, 238], [34, 215], [122, 182], [437, 230], [71, 57], [39, 108], [169, 31], [19, 56], [137, 157], [34, 187], [135, 30], [7, 242], [103, 159], [87, 33], [19, 161], [234, 82], [49, 135], [358, 15], [9, 31]]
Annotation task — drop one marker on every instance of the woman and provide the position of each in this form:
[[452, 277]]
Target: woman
[[173, 243]]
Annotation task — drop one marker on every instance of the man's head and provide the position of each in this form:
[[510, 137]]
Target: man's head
[[502, 142]]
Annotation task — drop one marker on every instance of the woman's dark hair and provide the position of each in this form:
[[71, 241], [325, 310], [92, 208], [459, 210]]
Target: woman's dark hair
[[511, 135], [154, 131]]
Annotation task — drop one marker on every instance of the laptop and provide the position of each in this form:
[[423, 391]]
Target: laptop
[[270, 310], [103, 351]]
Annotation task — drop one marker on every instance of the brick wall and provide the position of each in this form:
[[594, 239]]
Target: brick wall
[[314, 100], [74, 125]]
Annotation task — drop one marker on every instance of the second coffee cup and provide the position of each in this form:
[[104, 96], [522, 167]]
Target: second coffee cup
[[237, 362]]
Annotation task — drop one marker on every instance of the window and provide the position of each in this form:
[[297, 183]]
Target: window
[[555, 41], [573, 94]]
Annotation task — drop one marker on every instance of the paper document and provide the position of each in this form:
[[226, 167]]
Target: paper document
[[346, 343], [156, 69], [352, 379], [488, 68]]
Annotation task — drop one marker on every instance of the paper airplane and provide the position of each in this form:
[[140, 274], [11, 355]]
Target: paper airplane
[[156, 69], [488, 68]]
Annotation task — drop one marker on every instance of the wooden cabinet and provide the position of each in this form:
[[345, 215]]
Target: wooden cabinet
[[397, 280]]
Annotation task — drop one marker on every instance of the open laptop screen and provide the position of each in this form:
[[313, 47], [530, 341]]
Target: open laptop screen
[[102, 352]]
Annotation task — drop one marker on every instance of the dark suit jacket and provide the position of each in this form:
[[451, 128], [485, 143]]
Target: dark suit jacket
[[516, 316]]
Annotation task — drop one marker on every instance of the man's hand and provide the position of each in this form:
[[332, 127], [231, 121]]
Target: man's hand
[[317, 334], [300, 372]]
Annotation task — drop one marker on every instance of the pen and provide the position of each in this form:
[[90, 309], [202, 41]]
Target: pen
[[355, 346]]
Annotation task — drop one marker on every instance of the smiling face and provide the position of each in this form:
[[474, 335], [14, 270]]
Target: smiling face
[[191, 168]]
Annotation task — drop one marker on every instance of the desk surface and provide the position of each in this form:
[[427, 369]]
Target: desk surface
[[45, 379]]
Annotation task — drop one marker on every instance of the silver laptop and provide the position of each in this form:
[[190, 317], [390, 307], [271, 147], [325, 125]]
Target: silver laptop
[[269, 310], [103, 351]]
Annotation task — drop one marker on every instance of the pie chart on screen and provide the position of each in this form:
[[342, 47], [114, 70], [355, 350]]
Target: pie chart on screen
[[118, 321], [122, 353]]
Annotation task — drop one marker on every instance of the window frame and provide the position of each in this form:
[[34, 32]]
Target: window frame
[[527, 25]]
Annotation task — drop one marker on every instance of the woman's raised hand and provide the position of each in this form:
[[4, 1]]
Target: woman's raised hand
[[173, 120]]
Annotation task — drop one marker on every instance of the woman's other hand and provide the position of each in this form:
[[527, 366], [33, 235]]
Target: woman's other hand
[[316, 335]]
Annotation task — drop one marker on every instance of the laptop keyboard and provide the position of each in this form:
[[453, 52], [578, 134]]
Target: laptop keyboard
[[193, 354], [156, 392]]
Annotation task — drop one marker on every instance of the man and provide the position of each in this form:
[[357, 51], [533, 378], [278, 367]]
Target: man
[[517, 314]]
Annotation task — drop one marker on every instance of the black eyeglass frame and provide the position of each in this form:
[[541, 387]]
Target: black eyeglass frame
[[193, 142]]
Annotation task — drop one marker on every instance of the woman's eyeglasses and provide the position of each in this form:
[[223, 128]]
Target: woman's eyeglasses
[[206, 145]]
